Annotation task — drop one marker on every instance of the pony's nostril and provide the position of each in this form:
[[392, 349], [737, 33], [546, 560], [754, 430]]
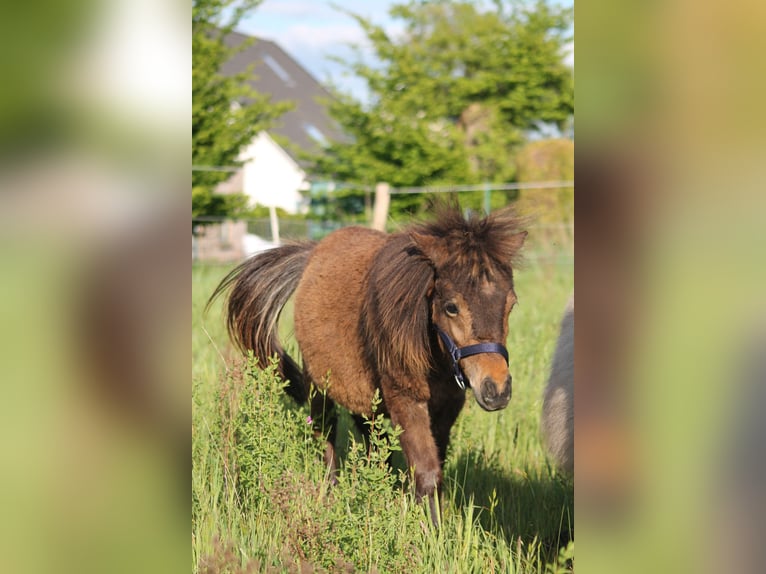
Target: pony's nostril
[[489, 390], [506, 394], [490, 394]]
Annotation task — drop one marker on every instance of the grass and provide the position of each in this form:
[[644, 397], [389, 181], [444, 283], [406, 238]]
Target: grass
[[260, 502]]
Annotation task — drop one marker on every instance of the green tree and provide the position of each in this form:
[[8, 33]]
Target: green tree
[[452, 96], [226, 112]]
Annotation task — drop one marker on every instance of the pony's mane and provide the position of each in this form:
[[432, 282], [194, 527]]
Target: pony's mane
[[478, 246], [395, 312]]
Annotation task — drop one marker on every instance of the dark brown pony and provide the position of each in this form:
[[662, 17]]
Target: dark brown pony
[[416, 314]]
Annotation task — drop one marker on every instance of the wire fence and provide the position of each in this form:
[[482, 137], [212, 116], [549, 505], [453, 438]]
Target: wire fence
[[329, 185], [223, 238]]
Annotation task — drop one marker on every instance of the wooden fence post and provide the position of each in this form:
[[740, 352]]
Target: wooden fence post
[[274, 225], [380, 209]]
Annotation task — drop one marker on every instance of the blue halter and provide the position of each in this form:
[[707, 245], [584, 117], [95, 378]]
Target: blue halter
[[457, 353]]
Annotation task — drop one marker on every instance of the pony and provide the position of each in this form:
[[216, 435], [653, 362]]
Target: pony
[[417, 315], [557, 421]]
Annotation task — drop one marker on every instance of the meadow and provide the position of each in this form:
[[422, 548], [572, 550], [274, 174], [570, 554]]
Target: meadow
[[260, 498]]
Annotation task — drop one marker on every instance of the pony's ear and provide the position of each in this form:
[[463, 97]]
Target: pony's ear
[[428, 245], [506, 248], [516, 241]]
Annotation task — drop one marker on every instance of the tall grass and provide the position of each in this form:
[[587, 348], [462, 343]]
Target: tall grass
[[261, 502]]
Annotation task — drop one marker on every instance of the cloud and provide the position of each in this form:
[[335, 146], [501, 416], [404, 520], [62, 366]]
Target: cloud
[[293, 8], [322, 37]]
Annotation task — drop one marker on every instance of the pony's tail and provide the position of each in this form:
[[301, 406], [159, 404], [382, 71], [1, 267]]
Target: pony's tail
[[259, 289]]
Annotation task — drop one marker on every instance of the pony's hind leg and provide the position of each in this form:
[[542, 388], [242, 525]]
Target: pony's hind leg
[[363, 426], [325, 421]]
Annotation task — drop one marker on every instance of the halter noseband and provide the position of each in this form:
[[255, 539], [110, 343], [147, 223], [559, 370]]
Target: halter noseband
[[457, 353]]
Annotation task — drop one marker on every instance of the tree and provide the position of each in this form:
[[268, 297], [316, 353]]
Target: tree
[[547, 160], [453, 95], [226, 112]]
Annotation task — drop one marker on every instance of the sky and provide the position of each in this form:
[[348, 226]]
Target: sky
[[312, 30]]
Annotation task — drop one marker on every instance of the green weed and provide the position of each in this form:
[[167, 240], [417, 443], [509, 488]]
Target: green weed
[[261, 498]]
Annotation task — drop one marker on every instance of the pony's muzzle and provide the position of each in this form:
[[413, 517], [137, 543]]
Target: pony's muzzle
[[492, 396], [489, 380]]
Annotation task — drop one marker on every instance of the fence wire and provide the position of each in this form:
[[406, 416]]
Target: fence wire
[[330, 186]]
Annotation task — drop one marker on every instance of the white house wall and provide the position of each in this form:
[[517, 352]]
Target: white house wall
[[270, 175]]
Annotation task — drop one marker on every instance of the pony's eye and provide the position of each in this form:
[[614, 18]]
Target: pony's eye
[[451, 309]]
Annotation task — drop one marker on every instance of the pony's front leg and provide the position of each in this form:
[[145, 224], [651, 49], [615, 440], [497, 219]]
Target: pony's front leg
[[419, 448]]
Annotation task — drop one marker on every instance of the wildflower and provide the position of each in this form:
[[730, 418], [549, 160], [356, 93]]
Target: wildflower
[[309, 420]]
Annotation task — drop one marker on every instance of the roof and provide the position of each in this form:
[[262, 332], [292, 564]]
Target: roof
[[284, 79]]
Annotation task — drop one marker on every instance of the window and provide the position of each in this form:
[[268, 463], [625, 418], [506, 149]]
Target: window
[[278, 70], [315, 134]]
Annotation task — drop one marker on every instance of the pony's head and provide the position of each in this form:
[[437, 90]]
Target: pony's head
[[471, 295]]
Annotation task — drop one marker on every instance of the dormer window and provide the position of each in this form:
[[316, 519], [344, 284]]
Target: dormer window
[[315, 134], [279, 70]]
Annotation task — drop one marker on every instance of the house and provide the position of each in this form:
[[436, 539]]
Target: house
[[273, 173]]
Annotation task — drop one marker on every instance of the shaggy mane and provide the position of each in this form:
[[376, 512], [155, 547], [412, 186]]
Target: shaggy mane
[[395, 312], [478, 246]]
